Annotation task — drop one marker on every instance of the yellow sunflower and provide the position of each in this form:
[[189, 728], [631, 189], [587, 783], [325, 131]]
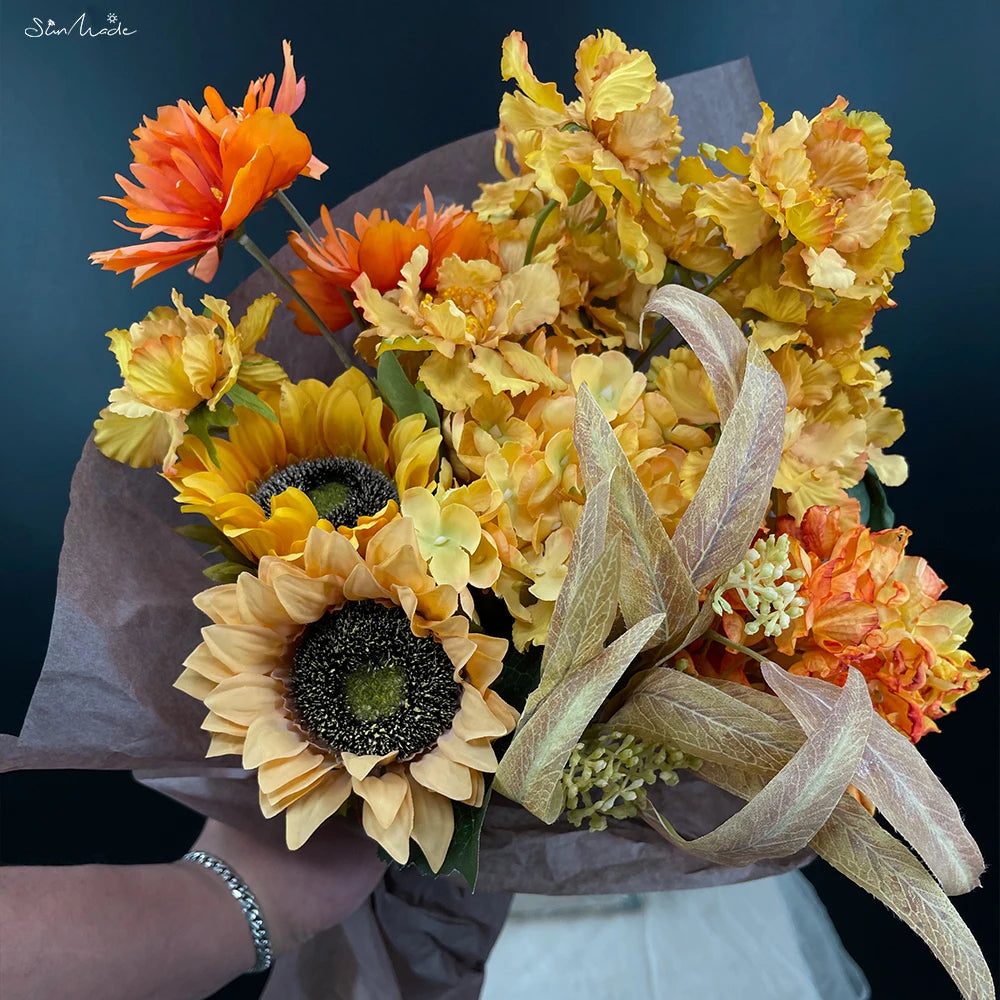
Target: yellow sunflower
[[352, 673], [336, 457]]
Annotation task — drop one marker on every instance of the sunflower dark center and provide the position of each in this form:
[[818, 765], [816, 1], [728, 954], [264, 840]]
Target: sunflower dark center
[[341, 489], [363, 683]]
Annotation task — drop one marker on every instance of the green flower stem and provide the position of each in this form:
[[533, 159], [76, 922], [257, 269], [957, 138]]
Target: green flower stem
[[752, 653], [665, 332], [722, 275], [258, 255], [297, 218], [539, 222], [363, 324]]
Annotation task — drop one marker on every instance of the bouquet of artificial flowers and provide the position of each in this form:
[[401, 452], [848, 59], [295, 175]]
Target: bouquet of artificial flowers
[[588, 538]]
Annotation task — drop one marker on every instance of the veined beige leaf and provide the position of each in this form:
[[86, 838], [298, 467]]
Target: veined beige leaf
[[853, 842], [588, 600], [717, 528], [895, 776], [654, 580], [704, 618], [761, 700], [788, 811], [665, 705], [531, 769]]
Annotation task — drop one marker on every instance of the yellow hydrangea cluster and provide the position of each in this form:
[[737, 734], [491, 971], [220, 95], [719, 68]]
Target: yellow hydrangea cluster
[[836, 424], [522, 447]]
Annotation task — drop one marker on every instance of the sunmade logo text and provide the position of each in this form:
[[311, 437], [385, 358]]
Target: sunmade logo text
[[47, 28]]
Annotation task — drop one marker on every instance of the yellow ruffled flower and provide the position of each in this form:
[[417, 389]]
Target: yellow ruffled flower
[[619, 129], [470, 329], [173, 361], [336, 457], [351, 676], [836, 422], [831, 188], [522, 447]]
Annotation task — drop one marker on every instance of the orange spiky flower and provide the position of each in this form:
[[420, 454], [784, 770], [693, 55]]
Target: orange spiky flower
[[379, 247], [202, 173]]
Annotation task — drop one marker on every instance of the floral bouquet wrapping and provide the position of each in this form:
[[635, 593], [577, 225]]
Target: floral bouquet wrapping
[[577, 573]]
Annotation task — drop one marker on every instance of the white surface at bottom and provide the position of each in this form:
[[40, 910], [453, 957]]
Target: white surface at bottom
[[765, 940]]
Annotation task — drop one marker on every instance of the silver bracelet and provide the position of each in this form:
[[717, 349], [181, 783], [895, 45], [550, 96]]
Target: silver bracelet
[[248, 904]]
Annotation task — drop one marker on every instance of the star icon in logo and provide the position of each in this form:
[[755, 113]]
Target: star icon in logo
[[112, 18]]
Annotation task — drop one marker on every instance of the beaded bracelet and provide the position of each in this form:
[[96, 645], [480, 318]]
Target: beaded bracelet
[[248, 904]]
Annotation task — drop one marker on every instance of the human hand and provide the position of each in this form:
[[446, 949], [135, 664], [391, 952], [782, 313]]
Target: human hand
[[300, 892]]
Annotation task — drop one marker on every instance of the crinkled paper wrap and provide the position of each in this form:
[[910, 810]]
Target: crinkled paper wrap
[[124, 622]]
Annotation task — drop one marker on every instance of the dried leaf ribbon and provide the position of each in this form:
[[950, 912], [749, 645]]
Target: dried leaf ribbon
[[746, 737], [899, 781], [719, 525], [531, 769], [853, 842], [654, 580], [786, 814]]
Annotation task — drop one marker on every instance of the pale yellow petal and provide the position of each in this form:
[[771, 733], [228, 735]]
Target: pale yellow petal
[[305, 814], [441, 774], [271, 737], [477, 755], [384, 795], [433, 824], [475, 719], [394, 838], [245, 648], [244, 698]]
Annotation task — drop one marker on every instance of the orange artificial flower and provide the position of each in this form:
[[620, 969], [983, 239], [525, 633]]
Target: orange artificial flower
[[202, 173], [866, 605], [379, 248]]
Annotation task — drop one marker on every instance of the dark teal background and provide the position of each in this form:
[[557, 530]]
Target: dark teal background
[[386, 83]]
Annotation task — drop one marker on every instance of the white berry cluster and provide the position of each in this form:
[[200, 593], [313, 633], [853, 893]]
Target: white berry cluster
[[755, 580]]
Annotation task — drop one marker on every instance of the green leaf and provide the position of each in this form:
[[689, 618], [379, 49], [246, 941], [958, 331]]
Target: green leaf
[[463, 855], [860, 493], [602, 214], [208, 534], [875, 509], [402, 396], [882, 515], [521, 671], [199, 420], [226, 572], [244, 397], [222, 415]]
